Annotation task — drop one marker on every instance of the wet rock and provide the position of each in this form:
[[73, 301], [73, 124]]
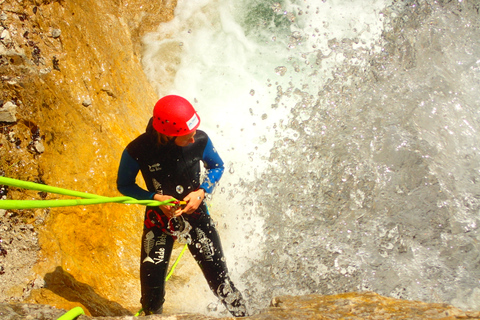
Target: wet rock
[[365, 306], [56, 33], [8, 112], [3, 193], [36, 55], [18, 253], [99, 247], [29, 311], [354, 305], [56, 63], [90, 60], [87, 102], [38, 146], [5, 37], [45, 71]]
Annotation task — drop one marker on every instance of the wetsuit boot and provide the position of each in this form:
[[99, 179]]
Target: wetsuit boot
[[232, 299], [152, 300]]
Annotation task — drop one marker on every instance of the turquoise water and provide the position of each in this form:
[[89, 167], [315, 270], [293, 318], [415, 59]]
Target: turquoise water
[[350, 134]]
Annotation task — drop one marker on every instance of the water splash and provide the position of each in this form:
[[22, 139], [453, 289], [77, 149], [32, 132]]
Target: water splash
[[350, 132], [376, 188]]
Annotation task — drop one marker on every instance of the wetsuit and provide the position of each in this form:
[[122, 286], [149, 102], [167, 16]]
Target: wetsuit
[[173, 170]]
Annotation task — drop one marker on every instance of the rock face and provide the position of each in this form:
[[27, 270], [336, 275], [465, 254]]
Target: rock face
[[73, 95], [366, 306], [359, 306]]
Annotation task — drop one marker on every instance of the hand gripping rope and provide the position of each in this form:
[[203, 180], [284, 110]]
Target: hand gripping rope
[[87, 199]]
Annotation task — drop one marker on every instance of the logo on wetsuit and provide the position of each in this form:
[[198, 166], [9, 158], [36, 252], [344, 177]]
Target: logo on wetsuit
[[154, 167], [150, 242], [160, 255], [205, 245]]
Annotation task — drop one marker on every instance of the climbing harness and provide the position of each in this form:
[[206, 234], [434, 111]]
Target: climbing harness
[[180, 228]]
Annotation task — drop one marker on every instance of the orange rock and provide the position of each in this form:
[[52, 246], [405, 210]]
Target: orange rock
[[61, 54]]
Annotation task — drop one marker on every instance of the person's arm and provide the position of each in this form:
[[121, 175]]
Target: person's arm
[[126, 184], [214, 166], [127, 173]]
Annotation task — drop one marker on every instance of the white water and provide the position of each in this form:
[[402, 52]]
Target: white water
[[350, 134]]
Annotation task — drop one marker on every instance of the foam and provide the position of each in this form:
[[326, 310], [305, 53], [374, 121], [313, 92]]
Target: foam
[[305, 143]]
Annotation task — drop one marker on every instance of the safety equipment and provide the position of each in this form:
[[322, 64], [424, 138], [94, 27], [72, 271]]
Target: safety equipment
[[175, 116]]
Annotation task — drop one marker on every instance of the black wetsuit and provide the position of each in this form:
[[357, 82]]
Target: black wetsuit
[[175, 171]]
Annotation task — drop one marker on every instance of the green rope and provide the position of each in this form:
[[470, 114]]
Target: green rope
[[77, 311], [72, 314], [42, 187], [31, 204], [89, 198], [176, 262]]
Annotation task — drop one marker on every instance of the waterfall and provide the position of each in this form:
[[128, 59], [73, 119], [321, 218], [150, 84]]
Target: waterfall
[[350, 134]]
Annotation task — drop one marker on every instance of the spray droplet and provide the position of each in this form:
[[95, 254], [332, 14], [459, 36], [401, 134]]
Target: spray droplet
[[179, 189], [280, 70]]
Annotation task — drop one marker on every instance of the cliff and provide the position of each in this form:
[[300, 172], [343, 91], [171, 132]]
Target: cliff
[[73, 95]]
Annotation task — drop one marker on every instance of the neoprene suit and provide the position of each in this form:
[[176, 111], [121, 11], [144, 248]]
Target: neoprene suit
[[173, 170]]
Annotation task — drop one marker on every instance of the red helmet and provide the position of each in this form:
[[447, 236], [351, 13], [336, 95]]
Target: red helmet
[[175, 116]]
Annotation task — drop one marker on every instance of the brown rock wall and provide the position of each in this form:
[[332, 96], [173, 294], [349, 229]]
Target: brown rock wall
[[73, 71]]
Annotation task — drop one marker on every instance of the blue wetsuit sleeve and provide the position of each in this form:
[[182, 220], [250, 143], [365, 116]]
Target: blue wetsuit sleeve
[[127, 173], [214, 166]]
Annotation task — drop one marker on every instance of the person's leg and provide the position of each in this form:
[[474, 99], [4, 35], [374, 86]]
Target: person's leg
[[207, 250], [156, 252]]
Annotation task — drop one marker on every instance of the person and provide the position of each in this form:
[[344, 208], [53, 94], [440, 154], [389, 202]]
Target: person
[[169, 155]]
